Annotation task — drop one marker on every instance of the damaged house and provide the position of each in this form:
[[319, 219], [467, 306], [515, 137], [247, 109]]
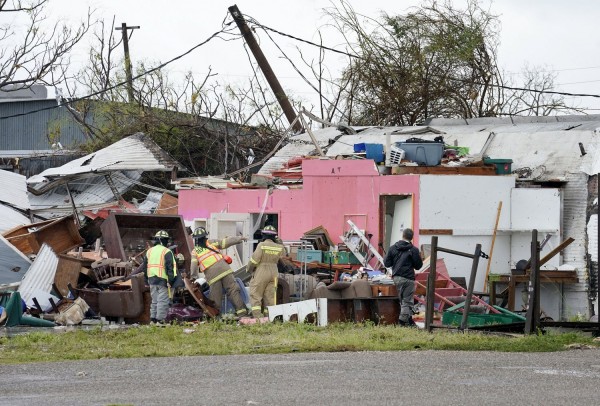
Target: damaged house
[[520, 174]]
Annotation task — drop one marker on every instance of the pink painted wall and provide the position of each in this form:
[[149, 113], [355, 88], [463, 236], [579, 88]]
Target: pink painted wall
[[333, 191]]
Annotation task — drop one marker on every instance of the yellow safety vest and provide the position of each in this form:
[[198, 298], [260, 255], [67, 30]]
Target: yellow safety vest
[[156, 262], [206, 257]]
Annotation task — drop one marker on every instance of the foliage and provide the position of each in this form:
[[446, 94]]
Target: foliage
[[434, 61], [217, 338]]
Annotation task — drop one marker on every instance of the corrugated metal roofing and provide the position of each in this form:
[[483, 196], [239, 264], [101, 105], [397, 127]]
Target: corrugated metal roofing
[[40, 275], [290, 150], [88, 193], [548, 146], [10, 218], [37, 131], [136, 152], [150, 203], [13, 263], [14, 189]]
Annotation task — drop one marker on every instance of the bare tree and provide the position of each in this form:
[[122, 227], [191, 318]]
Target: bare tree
[[208, 126], [35, 55], [531, 98]]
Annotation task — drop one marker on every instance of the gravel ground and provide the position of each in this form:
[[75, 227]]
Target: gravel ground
[[350, 378]]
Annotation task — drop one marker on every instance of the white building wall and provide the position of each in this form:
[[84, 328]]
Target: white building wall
[[468, 206]]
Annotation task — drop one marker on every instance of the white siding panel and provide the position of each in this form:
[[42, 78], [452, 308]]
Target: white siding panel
[[535, 209], [40, 275], [465, 203], [468, 205], [10, 218], [14, 189], [575, 223]]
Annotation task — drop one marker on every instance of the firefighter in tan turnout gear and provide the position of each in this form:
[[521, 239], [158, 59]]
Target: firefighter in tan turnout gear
[[263, 266], [217, 271]]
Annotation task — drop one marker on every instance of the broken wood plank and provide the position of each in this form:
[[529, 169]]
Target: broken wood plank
[[434, 231], [444, 170]]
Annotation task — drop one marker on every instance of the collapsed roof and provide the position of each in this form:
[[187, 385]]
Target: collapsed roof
[[549, 147], [134, 153]]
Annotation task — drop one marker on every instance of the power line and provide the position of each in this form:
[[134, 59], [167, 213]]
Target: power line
[[264, 27], [455, 79], [73, 100]]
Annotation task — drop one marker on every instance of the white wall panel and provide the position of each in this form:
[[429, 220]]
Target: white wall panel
[[466, 204], [459, 266], [535, 209]]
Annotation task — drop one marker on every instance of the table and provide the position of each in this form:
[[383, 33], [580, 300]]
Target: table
[[546, 276]]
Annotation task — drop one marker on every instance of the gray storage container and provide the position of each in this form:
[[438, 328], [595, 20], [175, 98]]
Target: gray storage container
[[423, 153]]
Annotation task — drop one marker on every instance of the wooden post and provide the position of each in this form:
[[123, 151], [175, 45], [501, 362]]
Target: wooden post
[[429, 307], [465, 315], [261, 59], [532, 321], [489, 264]]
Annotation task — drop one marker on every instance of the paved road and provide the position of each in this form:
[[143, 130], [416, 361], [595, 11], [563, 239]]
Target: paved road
[[352, 378]]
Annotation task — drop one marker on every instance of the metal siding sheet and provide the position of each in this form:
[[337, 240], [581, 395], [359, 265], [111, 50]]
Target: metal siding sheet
[[150, 203], [40, 275], [30, 132], [87, 193], [10, 218], [11, 258], [14, 189], [287, 152], [136, 152]]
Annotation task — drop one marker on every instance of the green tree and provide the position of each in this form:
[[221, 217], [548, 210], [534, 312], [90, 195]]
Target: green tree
[[434, 61]]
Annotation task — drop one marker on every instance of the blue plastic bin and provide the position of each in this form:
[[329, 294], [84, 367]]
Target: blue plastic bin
[[359, 147], [425, 153], [375, 152]]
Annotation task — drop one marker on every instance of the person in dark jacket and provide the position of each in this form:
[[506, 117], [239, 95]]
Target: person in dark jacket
[[404, 258]]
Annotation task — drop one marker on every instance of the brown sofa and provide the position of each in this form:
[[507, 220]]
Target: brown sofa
[[354, 302], [343, 290]]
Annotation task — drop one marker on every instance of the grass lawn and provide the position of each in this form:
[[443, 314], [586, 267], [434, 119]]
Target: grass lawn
[[219, 338]]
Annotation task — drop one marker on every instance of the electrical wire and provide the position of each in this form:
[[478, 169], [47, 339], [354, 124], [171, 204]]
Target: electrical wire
[[454, 79], [162, 65]]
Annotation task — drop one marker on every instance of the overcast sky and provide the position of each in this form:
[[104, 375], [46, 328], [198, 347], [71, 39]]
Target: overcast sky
[[558, 35]]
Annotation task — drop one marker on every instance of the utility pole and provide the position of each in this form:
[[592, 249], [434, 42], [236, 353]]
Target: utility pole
[[284, 102], [124, 28]]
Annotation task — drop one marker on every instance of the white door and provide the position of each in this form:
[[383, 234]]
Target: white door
[[221, 225]]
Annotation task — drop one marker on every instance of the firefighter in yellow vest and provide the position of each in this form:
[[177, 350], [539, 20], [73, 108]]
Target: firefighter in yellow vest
[[263, 265], [217, 271], [160, 268]]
